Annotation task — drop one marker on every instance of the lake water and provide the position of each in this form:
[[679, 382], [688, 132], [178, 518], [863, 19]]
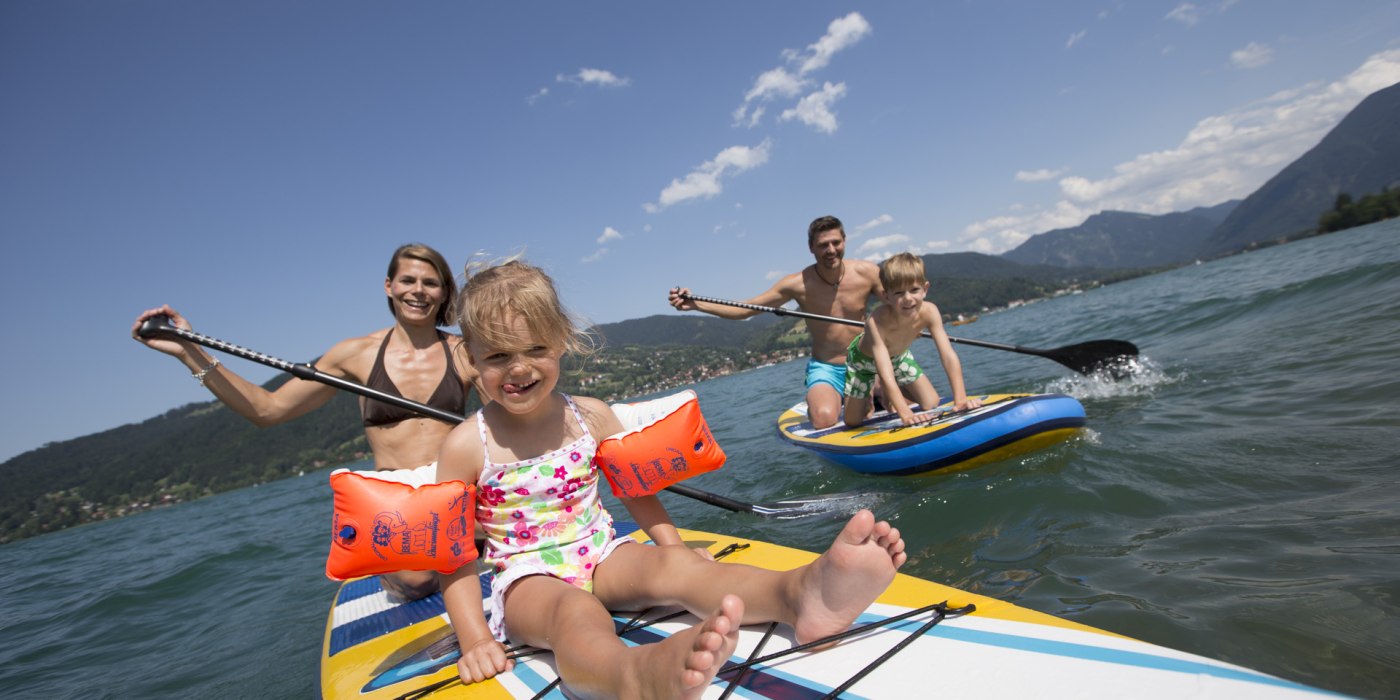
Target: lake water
[[1239, 498]]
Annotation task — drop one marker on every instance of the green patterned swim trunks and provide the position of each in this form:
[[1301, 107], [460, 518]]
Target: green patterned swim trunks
[[861, 372]]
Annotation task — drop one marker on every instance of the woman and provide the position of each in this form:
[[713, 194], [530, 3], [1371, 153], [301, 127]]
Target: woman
[[411, 358]]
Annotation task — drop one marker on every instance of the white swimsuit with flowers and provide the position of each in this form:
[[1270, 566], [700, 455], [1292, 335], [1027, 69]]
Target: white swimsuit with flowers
[[542, 516]]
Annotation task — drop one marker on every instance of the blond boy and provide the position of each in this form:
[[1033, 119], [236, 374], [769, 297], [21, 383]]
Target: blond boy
[[882, 350]]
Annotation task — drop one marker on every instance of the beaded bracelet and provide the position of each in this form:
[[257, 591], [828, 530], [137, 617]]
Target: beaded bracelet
[[201, 374]]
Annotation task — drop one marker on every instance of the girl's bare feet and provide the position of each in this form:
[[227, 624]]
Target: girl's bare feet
[[848, 577], [682, 665]]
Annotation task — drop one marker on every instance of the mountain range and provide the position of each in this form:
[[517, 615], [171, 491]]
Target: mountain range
[[1359, 156]]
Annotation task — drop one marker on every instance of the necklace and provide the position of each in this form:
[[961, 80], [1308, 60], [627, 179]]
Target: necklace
[[839, 276]]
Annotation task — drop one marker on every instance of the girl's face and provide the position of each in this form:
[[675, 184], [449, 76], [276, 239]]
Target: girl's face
[[907, 300], [522, 379], [417, 291]]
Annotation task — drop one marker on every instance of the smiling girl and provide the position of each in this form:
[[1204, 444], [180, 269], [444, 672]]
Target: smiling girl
[[557, 566]]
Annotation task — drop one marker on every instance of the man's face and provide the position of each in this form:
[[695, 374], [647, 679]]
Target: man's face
[[829, 247]]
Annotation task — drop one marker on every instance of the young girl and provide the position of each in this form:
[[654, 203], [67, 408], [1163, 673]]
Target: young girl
[[882, 349], [558, 568]]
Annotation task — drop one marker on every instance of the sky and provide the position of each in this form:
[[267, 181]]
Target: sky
[[254, 163]]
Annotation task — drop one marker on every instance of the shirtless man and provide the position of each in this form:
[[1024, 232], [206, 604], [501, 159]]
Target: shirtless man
[[832, 286]]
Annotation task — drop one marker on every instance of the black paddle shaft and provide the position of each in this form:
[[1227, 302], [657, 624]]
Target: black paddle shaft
[[1085, 358], [160, 325]]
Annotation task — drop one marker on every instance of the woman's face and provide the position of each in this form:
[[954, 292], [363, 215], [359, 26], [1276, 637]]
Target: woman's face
[[417, 291]]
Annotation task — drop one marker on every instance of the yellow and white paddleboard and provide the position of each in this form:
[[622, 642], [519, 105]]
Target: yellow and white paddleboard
[[375, 648]]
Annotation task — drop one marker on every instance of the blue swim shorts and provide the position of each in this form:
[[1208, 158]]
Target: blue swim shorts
[[826, 373]]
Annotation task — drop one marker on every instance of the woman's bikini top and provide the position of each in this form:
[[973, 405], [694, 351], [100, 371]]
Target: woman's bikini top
[[449, 396]]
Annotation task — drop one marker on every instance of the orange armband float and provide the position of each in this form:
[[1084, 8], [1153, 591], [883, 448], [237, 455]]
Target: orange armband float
[[668, 442], [384, 526]]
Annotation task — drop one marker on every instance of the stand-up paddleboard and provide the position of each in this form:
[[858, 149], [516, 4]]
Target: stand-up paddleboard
[[975, 647], [1007, 425]]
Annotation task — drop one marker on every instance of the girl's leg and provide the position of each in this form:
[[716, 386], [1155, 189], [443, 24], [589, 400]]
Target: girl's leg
[[592, 660], [818, 599], [921, 391]]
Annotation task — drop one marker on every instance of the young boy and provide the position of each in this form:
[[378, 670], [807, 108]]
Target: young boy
[[882, 350]]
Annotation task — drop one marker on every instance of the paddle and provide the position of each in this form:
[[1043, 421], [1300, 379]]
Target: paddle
[[783, 510], [1085, 358]]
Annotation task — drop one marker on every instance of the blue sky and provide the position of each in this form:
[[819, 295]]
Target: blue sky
[[254, 163]]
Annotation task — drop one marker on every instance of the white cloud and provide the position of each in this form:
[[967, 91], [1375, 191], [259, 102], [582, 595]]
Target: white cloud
[[1224, 156], [774, 83], [532, 99], [743, 117], [594, 76], [880, 242], [1075, 38], [882, 247], [1185, 13], [595, 257], [1255, 55], [840, 34], [880, 220], [784, 83], [1002, 233], [704, 181], [1038, 175], [814, 110], [609, 234]]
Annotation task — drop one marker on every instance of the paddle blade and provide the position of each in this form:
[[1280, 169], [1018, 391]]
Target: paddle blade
[[1112, 356]]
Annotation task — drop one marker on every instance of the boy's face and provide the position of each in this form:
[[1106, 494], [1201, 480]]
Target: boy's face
[[908, 298]]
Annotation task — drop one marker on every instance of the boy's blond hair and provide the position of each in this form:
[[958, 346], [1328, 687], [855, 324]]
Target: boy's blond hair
[[902, 271], [496, 293]]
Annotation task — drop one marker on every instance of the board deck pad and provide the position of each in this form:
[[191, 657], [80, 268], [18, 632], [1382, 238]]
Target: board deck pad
[[376, 647]]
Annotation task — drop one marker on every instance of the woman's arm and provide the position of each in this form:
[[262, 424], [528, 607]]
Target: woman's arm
[[263, 408]]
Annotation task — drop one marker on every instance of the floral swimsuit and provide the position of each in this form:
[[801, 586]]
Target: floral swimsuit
[[542, 516]]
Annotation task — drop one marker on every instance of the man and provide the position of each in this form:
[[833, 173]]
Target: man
[[832, 286]]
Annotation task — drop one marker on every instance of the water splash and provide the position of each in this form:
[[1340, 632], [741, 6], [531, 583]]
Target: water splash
[[1138, 376], [822, 506]]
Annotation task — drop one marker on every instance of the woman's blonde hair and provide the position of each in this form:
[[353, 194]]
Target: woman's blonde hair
[[902, 271], [497, 292]]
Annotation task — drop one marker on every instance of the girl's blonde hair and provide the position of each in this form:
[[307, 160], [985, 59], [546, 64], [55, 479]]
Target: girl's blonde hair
[[902, 271], [495, 293]]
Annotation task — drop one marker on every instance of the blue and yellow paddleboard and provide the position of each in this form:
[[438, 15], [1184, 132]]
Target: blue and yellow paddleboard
[[1007, 425], [375, 648]]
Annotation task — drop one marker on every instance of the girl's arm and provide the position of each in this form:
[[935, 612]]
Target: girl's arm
[[482, 656], [650, 515], [951, 364], [884, 368]]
